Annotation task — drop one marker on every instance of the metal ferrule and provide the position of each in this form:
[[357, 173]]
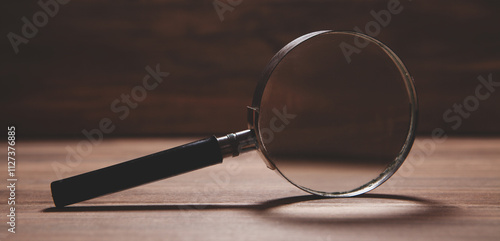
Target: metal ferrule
[[235, 143]]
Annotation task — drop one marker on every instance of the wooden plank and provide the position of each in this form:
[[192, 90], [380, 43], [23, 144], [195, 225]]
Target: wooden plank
[[452, 193], [91, 52]]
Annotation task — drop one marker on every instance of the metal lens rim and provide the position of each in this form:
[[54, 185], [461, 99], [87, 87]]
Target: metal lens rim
[[253, 114]]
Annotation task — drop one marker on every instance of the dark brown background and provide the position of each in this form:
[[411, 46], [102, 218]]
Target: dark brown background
[[91, 52]]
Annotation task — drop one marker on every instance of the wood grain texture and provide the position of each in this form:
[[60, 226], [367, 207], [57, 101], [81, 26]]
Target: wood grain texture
[[452, 193], [91, 52]]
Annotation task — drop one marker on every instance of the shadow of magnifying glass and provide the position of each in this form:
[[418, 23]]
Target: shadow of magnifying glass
[[363, 209], [366, 208]]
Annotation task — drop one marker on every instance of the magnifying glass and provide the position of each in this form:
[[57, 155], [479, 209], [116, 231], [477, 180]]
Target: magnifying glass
[[334, 114]]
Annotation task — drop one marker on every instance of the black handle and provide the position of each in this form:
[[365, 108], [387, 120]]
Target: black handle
[[135, 172]]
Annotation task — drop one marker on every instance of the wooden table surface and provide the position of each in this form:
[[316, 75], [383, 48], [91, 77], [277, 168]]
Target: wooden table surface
[[450, 191]]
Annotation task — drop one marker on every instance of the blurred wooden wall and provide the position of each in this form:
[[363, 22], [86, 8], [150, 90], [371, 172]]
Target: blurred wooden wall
[[91, 52]]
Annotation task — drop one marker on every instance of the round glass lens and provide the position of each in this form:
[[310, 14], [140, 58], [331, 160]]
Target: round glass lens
[[337, 113]]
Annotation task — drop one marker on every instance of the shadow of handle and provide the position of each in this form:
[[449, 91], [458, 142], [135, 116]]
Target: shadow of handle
[[136, 172]]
